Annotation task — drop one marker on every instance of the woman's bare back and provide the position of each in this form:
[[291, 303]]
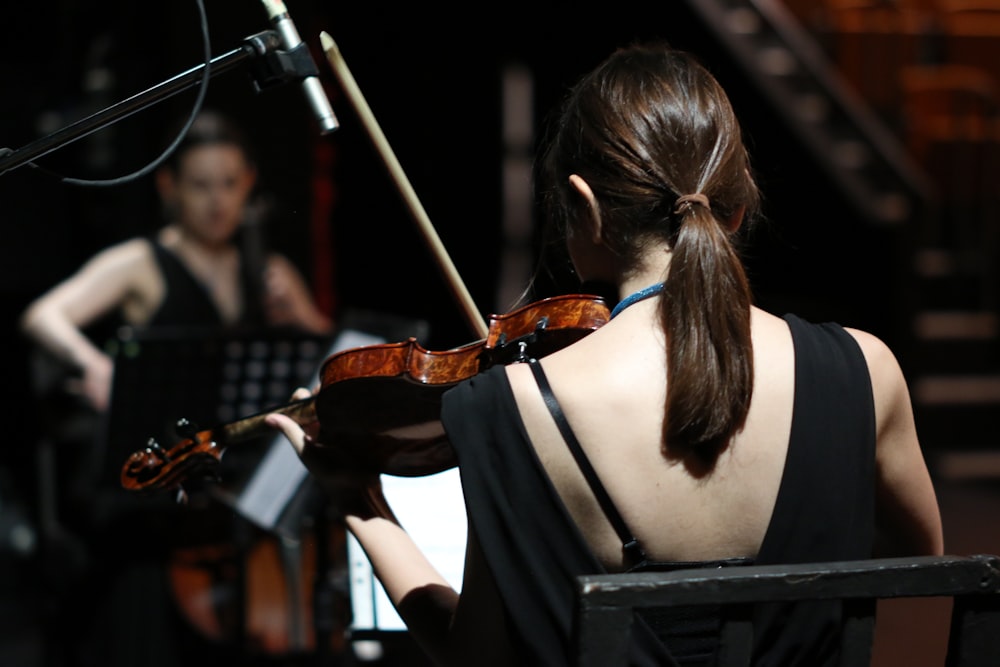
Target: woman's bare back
[[612, 389]]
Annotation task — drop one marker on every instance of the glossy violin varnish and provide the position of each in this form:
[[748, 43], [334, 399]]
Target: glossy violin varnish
[[382, 402]]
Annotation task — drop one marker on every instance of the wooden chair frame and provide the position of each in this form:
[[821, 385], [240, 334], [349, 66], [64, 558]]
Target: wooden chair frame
[[606, 603]]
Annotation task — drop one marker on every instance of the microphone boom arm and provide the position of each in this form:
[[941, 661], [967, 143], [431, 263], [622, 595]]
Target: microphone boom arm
[[271, 65]]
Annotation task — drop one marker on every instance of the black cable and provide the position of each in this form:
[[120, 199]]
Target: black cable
[[149, 168]]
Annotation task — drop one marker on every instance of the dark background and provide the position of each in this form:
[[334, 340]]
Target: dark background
[[432, 79]]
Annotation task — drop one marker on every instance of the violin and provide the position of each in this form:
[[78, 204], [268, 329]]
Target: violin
[[382, 400]]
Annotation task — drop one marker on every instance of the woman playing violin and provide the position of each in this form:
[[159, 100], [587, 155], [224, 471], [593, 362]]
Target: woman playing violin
[[680, 408]]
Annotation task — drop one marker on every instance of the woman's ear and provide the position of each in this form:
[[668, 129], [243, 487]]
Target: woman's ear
[[736, 219], [583, 188]]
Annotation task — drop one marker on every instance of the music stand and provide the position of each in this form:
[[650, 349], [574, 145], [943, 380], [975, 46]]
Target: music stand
[[208, 376], [212, 377]]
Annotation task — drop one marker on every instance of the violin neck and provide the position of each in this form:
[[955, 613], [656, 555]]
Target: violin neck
[[303, 412]]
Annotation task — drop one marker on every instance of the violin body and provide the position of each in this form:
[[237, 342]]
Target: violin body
[[383, 401]]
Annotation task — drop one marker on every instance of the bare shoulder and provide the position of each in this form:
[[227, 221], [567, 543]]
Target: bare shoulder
[[133, 253], [908, 518], [280, 266], [114, 277], [882, 363], [280, 262], [889, 387], [563, 367], [768, 327], [130, 265], [283, 272], [520, 378]]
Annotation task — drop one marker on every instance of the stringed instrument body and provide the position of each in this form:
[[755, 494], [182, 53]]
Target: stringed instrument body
[[383, 401]]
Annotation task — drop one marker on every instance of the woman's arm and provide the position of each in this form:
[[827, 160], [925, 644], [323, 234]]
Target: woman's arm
[[908, 518], [287, 300], [54, 321], [423, 597], [453, 629]]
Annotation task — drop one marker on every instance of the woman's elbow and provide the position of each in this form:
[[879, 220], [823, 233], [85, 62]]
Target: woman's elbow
[[30, 321]]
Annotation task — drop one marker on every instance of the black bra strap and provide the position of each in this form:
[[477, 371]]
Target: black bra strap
[[630, 545]]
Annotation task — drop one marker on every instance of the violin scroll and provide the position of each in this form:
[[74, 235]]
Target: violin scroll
[[198, 455], [158, 468]]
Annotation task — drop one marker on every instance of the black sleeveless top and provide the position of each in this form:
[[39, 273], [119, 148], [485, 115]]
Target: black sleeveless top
[[187, 301], [824, 510], [692, 633]]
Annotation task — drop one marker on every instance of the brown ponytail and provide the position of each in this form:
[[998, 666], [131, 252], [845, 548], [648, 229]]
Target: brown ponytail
[[654, 135], [705, 312]]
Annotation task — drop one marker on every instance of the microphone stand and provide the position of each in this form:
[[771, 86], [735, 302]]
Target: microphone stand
[[270, 66]]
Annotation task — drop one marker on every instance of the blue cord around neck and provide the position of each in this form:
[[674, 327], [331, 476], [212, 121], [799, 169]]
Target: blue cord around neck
[[635, 297]]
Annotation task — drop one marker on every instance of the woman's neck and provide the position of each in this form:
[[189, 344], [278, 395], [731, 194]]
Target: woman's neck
[[652, 269]]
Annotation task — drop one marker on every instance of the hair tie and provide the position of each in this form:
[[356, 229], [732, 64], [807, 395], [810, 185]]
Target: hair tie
[[685, 202]]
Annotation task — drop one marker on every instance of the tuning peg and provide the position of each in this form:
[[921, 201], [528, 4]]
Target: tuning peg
[[154, 447], [185, 428]]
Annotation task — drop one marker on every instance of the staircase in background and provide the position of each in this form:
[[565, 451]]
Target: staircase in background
[[956, 390], [953, 358], [852, 144]]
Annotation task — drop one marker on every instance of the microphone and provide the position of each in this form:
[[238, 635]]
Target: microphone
[[290, 39]]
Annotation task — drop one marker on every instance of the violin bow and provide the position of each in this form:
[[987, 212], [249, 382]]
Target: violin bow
[[377, 137]]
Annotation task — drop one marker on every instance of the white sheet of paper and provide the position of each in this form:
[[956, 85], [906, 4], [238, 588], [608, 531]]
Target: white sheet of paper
[[432, 510]]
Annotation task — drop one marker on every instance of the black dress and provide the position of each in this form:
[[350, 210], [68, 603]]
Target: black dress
[[131, 617], [187, 301], [824, 509]]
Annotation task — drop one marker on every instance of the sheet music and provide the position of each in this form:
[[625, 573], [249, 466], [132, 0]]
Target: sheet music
[[432, 510]]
